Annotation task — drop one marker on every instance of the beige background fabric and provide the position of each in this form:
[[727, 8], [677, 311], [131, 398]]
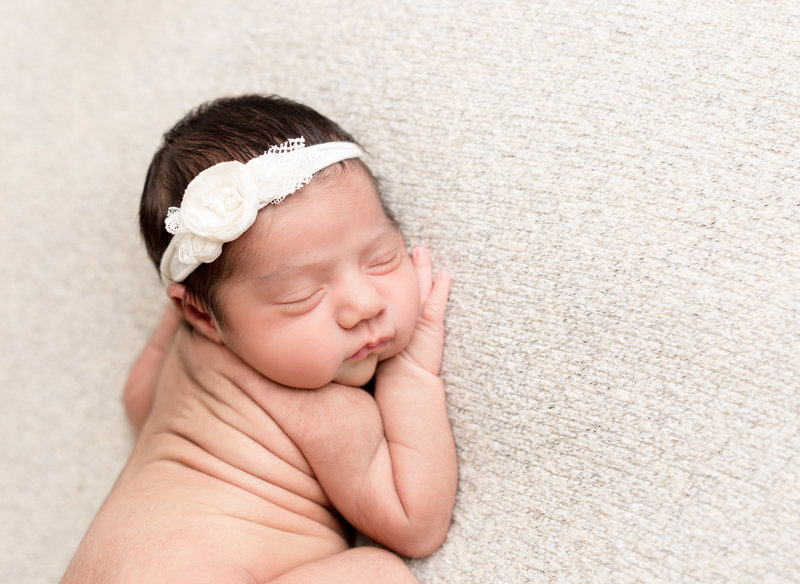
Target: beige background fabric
[[615, 187]]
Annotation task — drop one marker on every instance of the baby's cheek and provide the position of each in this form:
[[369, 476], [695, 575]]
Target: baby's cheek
[[300, 361], [301, 373]]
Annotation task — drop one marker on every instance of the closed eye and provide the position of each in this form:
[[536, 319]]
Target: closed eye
[[303, 301], [385, 263]]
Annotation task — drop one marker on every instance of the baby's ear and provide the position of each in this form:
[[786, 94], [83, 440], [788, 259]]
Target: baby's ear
[[196, 315]]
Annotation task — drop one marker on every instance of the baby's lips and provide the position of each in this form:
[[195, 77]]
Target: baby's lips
[[369, 348]]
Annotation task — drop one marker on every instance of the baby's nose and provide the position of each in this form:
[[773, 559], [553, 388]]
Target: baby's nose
[[361, 301]]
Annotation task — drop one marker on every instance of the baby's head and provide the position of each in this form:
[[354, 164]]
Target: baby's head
[[319, 287]]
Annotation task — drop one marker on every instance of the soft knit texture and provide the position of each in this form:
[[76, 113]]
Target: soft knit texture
[[615, 187]]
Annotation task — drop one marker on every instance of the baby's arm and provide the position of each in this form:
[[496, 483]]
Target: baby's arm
[[389, 464], [412, 401], [138, 392]]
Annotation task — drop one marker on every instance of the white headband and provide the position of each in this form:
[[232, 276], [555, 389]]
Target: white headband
[[222, 202]]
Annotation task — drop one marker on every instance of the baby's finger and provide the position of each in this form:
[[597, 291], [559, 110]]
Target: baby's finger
[[422, 263], [434, 307]]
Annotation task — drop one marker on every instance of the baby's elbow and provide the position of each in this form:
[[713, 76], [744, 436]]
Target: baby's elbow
[[418, 543], [421, 549]]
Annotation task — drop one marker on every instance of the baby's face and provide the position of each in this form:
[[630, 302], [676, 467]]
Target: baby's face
[[324, 287]]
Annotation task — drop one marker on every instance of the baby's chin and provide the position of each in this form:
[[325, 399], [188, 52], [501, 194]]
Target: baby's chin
[[360, 374], [355, 377], [354, 380]]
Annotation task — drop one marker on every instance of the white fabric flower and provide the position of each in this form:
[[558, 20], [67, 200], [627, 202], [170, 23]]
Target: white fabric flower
[[221, 202]]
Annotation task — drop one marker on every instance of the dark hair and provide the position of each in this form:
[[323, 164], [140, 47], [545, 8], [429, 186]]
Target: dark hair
[[233, 128]]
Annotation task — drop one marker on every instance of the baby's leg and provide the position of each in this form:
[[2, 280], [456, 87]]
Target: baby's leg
[[361, 564]]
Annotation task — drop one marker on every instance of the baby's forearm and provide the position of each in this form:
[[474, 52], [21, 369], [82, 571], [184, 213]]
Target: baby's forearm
[[388, 464], [413, 408]]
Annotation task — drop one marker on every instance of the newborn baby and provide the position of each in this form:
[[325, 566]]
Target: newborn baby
[[291, 290]]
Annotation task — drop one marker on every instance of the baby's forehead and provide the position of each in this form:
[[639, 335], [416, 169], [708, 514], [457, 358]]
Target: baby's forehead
[[360, 169], [352, 168]]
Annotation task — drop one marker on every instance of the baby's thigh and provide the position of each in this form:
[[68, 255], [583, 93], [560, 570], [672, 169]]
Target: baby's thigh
[[361, 564]]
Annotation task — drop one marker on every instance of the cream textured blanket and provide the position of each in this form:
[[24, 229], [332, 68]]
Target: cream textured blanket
[[614, 185]]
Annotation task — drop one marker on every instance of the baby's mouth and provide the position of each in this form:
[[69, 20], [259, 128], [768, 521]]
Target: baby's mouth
[[369, 348]]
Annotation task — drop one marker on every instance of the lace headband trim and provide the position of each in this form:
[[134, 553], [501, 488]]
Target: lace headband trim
[[222, 202]]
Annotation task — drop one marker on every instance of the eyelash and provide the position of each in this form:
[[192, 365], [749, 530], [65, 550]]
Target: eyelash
[[385, 261], [300, 300]]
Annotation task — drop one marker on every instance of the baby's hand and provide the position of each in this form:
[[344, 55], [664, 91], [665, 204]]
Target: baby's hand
[[427, 342]]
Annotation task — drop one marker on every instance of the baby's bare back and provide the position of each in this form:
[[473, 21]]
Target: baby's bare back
[[215, 486]]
